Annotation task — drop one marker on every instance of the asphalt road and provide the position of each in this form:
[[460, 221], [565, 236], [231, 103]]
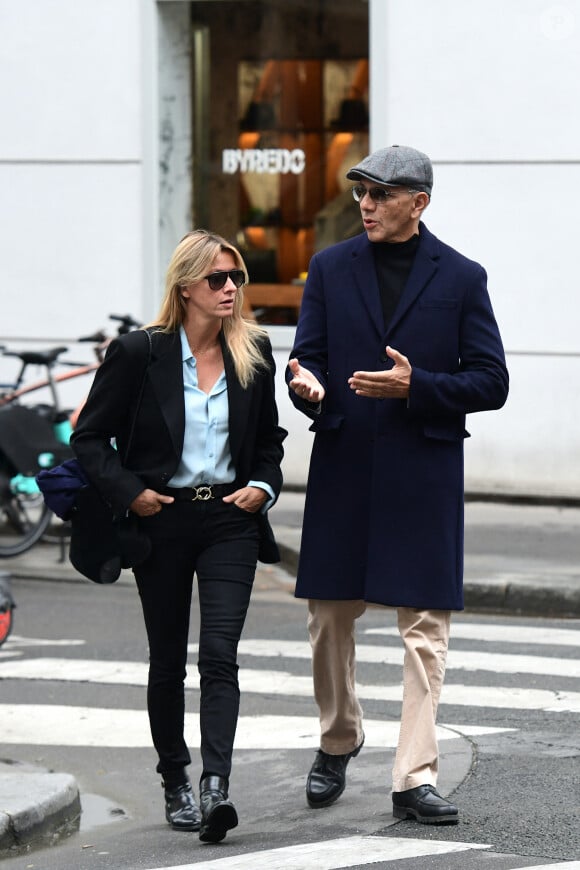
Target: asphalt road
[[510, 739]]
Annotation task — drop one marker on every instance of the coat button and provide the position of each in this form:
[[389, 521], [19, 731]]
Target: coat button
[[384, 357]]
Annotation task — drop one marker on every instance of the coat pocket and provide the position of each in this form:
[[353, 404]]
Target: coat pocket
[[438, 303], [445, 432]]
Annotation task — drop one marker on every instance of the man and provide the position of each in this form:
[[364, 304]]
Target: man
[[395, 344]]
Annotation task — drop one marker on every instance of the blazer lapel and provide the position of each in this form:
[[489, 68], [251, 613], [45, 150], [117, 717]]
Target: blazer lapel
[[424, 267], [166, 376], [237, 401]]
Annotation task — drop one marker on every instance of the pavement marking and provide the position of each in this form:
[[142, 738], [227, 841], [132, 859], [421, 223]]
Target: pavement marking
[[61, 725], [521, 634], [283, 683], [464, 660], [332, 854], [562, 865], [17, 640]]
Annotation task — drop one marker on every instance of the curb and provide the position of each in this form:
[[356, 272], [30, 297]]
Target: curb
[[523, 597], [38, 807]]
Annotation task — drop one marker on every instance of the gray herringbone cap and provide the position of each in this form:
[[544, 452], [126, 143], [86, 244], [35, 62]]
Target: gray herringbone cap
[[395, 166]]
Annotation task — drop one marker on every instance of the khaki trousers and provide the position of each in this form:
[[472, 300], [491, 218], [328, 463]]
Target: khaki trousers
[[425, 635]]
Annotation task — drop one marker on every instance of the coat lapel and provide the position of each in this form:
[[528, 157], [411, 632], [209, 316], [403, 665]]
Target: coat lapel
[[424, 267], [364, 276]]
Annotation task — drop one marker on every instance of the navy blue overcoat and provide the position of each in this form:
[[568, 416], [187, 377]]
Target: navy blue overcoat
[[383, 517]]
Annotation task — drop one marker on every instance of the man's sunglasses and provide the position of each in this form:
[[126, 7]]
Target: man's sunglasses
[[217, 280], [377, 194]]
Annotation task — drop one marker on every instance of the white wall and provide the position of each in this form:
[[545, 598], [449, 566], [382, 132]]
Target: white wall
[[72, 161], [487, 90], [95, 97]]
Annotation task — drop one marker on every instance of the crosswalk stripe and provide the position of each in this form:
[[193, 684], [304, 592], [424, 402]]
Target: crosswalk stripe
[[332, 854], [60, 725], [283, 683], [19, 642], [562, 865], [464, 660], [468, 660], [490, 633]]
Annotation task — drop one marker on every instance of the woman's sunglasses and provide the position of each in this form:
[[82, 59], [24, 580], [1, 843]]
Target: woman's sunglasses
[[217, 280]]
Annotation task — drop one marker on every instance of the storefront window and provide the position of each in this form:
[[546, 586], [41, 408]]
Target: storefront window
[[285, 121]]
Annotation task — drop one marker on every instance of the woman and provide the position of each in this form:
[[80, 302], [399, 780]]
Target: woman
[[203, 467]]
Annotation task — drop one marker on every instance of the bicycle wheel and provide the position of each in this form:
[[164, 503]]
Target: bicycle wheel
[[23, 518]]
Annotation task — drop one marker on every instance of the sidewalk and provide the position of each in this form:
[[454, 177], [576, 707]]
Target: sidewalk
[[520, 560]]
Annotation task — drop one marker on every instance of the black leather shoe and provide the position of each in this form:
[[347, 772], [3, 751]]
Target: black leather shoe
[[181, 810], [218, 814], [327, 778], [424, 804]]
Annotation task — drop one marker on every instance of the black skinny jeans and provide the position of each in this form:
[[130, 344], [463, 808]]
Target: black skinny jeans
[[219, 543]]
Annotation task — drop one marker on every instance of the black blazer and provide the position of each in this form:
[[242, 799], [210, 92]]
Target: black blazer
[[157, 442]]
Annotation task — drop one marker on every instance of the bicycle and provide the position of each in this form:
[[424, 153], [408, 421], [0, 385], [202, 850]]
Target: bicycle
[[37, 437], [7, 605]]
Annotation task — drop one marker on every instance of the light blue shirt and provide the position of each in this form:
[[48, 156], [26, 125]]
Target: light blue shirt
[[206, 456]]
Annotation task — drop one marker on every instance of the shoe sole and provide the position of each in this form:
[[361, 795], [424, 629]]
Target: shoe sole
[[192, 826], [220, 821], [408, 813], [321, 804]]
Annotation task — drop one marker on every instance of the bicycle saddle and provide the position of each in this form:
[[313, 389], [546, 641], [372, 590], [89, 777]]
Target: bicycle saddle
[[37, 357]]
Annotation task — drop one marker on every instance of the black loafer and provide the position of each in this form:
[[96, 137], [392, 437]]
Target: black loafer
[[327, 778], [181, 810], [218, 814], [425, 805]]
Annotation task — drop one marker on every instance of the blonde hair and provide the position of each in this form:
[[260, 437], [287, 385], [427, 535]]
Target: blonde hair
[[191, 261]]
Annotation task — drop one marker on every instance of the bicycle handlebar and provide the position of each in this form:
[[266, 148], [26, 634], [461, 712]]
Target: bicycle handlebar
[[96, 338], [127, 322]]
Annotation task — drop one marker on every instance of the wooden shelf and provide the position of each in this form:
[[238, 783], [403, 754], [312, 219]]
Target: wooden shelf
[[273, 296]]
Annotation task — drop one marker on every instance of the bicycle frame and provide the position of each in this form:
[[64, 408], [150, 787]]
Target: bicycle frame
[[49, 382], [24, 516]]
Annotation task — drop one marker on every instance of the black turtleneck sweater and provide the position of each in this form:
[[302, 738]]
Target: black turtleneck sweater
[[393, 261]]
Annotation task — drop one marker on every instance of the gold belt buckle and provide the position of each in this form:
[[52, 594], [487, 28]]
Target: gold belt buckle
[[202, 493]]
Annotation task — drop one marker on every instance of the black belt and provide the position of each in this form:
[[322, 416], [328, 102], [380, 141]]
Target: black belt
[[200, 493]]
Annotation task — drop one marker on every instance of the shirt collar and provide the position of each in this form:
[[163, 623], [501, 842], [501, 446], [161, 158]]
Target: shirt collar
[[185, 348]]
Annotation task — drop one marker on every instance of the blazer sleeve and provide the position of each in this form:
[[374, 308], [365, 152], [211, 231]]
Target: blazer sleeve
[[107, 416], [268, 452]]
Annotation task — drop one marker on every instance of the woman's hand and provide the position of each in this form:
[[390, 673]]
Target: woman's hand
[[149, 503], [248, 498]]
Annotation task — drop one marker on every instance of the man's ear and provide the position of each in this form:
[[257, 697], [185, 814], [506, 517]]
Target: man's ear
[[422, 200]]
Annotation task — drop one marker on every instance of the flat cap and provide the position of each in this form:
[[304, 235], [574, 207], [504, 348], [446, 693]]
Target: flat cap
[[397, 165]]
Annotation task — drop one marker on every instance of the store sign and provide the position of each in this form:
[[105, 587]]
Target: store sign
[[263, 160]]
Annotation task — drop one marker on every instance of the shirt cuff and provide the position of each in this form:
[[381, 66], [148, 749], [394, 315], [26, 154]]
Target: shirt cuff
[[267, 488]]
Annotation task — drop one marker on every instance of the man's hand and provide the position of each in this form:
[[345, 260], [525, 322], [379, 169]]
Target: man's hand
[[393, 384], [305, 384], [248, 498], [149, 502]]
